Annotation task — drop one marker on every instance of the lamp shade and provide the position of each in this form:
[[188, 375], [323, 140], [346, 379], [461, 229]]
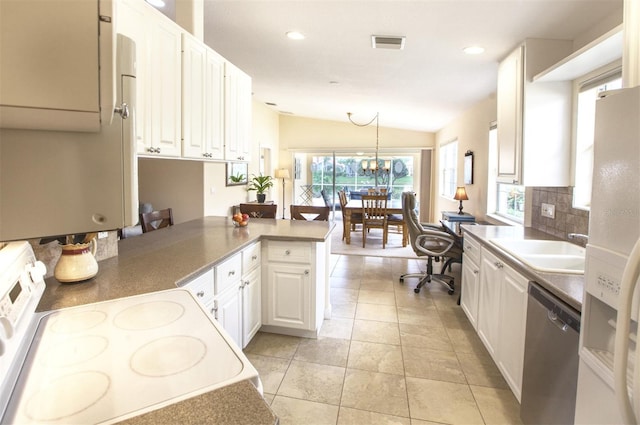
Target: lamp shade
[[461, 194], [282, 173]]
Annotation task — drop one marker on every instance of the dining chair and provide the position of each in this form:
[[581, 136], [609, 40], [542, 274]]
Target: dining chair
[[315, 213], [155, 220], [356, 218], [374, 216], [256, 210], [398, 221], [432, 242]]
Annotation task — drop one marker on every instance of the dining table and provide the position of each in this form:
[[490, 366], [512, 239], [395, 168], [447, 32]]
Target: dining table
[[355, 206]]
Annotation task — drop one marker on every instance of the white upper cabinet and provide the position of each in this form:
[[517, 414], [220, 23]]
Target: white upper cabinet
[[133, 23], [159, 79], [165, 97], [57, 64], [237, 114], [202, 100], [534, 119]]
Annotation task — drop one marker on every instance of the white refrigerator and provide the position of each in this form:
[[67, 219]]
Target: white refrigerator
[[608, 383]]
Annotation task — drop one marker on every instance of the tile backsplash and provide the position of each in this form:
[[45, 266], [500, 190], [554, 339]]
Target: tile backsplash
[[567, 219]]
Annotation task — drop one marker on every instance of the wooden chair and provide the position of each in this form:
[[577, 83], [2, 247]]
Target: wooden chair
[[322, 213], [374, 216], [259, 210], [155, 220], [400, 224], [356, 218]]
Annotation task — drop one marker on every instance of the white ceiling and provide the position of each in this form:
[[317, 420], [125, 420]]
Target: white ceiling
[[422, 87]]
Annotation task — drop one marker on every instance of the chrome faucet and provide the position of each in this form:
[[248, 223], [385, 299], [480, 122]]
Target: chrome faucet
[[579, 236]]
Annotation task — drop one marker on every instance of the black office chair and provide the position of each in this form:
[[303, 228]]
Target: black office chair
[[431, 242]]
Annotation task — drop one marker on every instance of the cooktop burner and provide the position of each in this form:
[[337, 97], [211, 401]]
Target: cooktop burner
[[105, 362]]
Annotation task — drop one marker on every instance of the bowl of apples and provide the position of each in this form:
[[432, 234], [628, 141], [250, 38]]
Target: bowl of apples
[[240, 220]]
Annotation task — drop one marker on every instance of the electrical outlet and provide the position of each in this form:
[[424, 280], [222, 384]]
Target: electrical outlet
[[548, 210], [102, 235]]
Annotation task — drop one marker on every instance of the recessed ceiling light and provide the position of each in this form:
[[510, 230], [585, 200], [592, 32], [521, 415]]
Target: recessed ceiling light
[[156, 3], [295, 35], [473, 50]]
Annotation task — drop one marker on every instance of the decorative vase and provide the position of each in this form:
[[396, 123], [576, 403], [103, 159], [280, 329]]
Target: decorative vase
[[262, 197], [77, 262]]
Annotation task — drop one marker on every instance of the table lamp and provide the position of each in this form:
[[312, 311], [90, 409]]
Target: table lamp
[[461, 195], [283, 174]]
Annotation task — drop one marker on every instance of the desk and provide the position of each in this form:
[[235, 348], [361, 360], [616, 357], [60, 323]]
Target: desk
[[454, 216], [355, 205], [453, 228]]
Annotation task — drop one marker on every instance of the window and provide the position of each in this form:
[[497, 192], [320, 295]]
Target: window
[[507, 200], [585, 125], [448, 169]]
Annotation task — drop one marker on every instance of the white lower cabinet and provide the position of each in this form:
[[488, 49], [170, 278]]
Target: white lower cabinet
[[512, 328], [228, 312], [470, 280], [294, 290], [288, 296], [251, 292], [501, 316]]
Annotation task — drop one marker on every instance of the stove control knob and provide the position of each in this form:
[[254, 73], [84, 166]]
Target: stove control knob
[[37, 271], [6, 328]]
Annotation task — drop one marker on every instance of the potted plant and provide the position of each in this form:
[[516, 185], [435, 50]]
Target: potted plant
[[260, 184]]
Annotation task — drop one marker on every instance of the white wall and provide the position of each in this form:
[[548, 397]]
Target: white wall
[[472, 131]]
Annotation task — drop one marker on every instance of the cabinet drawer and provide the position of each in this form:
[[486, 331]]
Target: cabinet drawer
[[202, 287], [251, 258], [290, 252], [472, 249], [228, 273]]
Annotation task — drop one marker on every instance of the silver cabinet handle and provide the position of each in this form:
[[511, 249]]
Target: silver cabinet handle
[[287, 252], [122, 110], [498, 264], [232, 272], [306, 272], [255, 257], [476, 271], [200, 294]]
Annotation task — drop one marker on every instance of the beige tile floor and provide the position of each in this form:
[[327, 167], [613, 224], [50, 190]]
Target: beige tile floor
[[387, 356]]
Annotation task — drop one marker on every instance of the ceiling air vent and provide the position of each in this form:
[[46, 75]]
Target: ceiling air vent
[[387, 42]]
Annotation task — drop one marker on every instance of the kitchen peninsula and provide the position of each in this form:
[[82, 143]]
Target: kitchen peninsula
[[174, 257]]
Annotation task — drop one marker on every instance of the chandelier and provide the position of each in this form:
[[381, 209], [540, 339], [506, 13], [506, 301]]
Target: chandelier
[[373, 167]]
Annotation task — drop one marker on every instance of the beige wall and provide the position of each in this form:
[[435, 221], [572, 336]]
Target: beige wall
[[472, 131], [308, 134]]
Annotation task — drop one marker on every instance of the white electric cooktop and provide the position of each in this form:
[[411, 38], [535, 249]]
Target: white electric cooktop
[[104, 362]]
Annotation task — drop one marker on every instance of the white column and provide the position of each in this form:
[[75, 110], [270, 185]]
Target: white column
[[190, 16], [631, 54]]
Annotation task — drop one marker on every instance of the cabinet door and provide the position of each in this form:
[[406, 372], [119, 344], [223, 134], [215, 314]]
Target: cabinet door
[[251, 305], [165, 96], [470, 289], [228, 312], [288, 296], [193, 97], [489, 301], [237, 114], [510, 89], [133, 22], [513, 318], [214, 105]]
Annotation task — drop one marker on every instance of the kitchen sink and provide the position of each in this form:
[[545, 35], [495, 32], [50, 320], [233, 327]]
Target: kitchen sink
[[545, 256]]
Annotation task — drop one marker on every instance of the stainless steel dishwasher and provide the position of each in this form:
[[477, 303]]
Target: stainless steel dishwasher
[[550, 373]]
